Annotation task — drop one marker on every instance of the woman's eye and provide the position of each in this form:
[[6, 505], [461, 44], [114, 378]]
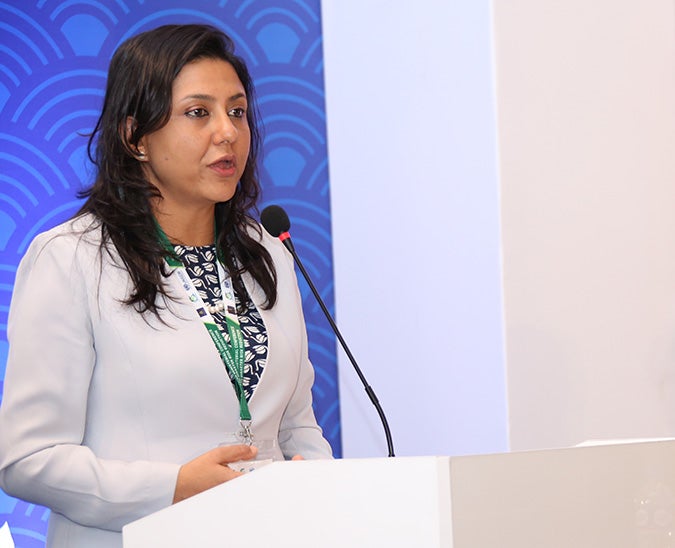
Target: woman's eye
[[197, 113], [237, 112]]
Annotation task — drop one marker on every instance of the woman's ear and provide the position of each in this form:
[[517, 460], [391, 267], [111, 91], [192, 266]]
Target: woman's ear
[[137, 151]]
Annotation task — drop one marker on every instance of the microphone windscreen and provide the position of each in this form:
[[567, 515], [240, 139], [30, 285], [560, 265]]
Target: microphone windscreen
[[275, 220]]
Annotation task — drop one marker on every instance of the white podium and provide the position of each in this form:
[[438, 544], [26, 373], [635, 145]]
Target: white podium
[[620, 495]]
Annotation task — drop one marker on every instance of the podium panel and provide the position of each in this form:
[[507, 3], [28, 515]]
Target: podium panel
[[619, 496], [610, 496], [310, 504]]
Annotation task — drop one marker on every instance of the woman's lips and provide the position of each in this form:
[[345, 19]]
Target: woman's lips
[[224, 167]]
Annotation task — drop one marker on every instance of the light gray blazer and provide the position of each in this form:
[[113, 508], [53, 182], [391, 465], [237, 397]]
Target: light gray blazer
[[100, 408]]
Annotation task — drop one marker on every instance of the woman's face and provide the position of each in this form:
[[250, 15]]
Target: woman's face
[[198, 157]]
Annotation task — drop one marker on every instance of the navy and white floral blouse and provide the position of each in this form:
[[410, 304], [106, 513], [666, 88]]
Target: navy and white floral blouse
[[200, 263]]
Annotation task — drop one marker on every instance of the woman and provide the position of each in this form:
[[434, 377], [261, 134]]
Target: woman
[[158, 335]]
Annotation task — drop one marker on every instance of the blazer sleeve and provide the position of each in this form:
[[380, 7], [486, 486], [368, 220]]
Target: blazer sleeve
[[43, 413], [299, 433]]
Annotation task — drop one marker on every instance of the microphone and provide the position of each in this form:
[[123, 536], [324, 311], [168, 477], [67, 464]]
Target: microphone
[[276, 222]]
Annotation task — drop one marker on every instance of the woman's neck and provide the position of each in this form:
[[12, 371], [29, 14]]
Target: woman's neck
[[188, 228]]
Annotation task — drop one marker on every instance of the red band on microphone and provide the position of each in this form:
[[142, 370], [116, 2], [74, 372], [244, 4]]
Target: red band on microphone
[[284, 236]]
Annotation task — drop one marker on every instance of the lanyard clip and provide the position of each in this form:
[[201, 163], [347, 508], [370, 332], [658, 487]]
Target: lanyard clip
[[246, 435]]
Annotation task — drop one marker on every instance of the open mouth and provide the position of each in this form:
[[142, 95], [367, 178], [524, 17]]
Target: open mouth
[[226, 166], [226, 163]]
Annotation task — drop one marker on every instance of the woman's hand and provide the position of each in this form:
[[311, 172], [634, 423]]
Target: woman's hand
[[210, 469]]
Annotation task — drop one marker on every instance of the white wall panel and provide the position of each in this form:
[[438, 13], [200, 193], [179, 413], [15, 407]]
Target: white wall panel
[[415, 209], [586, 110]]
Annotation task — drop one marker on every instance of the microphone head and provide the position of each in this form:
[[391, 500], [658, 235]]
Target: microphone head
[[275, 220]]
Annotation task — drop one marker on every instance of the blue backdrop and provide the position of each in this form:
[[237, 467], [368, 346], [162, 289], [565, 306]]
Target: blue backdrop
[[53, 61]]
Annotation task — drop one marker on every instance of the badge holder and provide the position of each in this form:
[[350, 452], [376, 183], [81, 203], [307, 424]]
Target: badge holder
[[267, 449]]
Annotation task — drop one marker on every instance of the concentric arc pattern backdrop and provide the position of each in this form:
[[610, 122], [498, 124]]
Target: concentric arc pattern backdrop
[[53, 61]]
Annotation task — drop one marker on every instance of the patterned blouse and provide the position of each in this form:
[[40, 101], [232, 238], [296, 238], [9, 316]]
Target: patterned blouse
[[200, 263]]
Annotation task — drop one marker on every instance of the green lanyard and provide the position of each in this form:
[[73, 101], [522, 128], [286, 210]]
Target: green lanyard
[[233, 354]]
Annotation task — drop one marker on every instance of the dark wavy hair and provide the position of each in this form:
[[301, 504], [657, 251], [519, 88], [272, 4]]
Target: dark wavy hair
[[140, 79]]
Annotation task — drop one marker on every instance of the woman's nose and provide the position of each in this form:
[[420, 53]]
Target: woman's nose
[[225, 132]]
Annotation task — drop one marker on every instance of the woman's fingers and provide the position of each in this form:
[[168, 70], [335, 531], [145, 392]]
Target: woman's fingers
[[210, 469]]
